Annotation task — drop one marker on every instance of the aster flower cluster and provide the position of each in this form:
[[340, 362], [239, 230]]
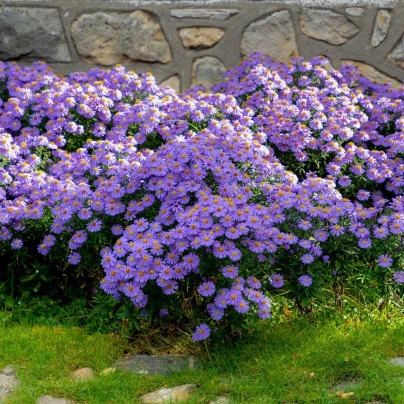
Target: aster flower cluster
[[280, 160]]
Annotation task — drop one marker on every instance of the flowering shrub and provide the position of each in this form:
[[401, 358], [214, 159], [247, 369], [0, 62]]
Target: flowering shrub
[[286, 177], [342, 135]]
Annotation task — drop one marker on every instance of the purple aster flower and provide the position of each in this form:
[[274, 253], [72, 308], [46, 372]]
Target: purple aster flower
[[206, 289], [321, 235], [365, 243], [380, 232], [242, 306], [307, 258], [230, 271], [397, 227], [216, 313], [201, 333], [79, 237], [399, 277], [253, 282], [16, 244], [233, 297], [277, 281], [305, 280], [344, 181], [363, 195], [43, 249], [305, 224], [170, 287], [94, 226], [337, 230], [163, 313], [74, 258], [234, 254], [191, 261], [384, 261], [117, 230], [49, 240], [264, 313]]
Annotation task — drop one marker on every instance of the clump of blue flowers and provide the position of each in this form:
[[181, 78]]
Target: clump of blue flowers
[[281, 169]]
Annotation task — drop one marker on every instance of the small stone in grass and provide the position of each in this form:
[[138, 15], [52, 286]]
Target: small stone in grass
[[8, 371], [8, 381], [348, 385], [221, 400], [53, 400], [83, 374], [399, 361], [169, 395]]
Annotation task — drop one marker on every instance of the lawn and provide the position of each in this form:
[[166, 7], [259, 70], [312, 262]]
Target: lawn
[[296, 361]]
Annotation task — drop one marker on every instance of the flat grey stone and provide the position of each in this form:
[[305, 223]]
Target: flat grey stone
[[110, 38], [382, 25], [348, 385], [399, 361], [8, 370], [207, 71], [397, 54], [53, 400], [354, 11], [274, 35], [166, 395], [8, 381], [327, 25], [156, 365], [32, 33], [206, 13]]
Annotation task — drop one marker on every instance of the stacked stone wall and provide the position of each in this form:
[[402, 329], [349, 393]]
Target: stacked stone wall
[[188, 42]]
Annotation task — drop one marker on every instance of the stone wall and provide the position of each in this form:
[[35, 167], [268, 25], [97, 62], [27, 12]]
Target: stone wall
[[188, 42]]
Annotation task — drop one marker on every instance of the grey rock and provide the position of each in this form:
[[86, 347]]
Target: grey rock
[[173, 82], [166, 395], [397, 54], [221, 400], [354, 11], [207, 71], [374, 74], [399, 361], [8, 382], [53, 400], [206, 13], [156, 365], [8, 371], [200, 37], [32, 33], [110, 38], [382, 25], [348, 385], [274, 35], [327, 25]]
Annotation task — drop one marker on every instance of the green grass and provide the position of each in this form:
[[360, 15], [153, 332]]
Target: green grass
[[285, 362]]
